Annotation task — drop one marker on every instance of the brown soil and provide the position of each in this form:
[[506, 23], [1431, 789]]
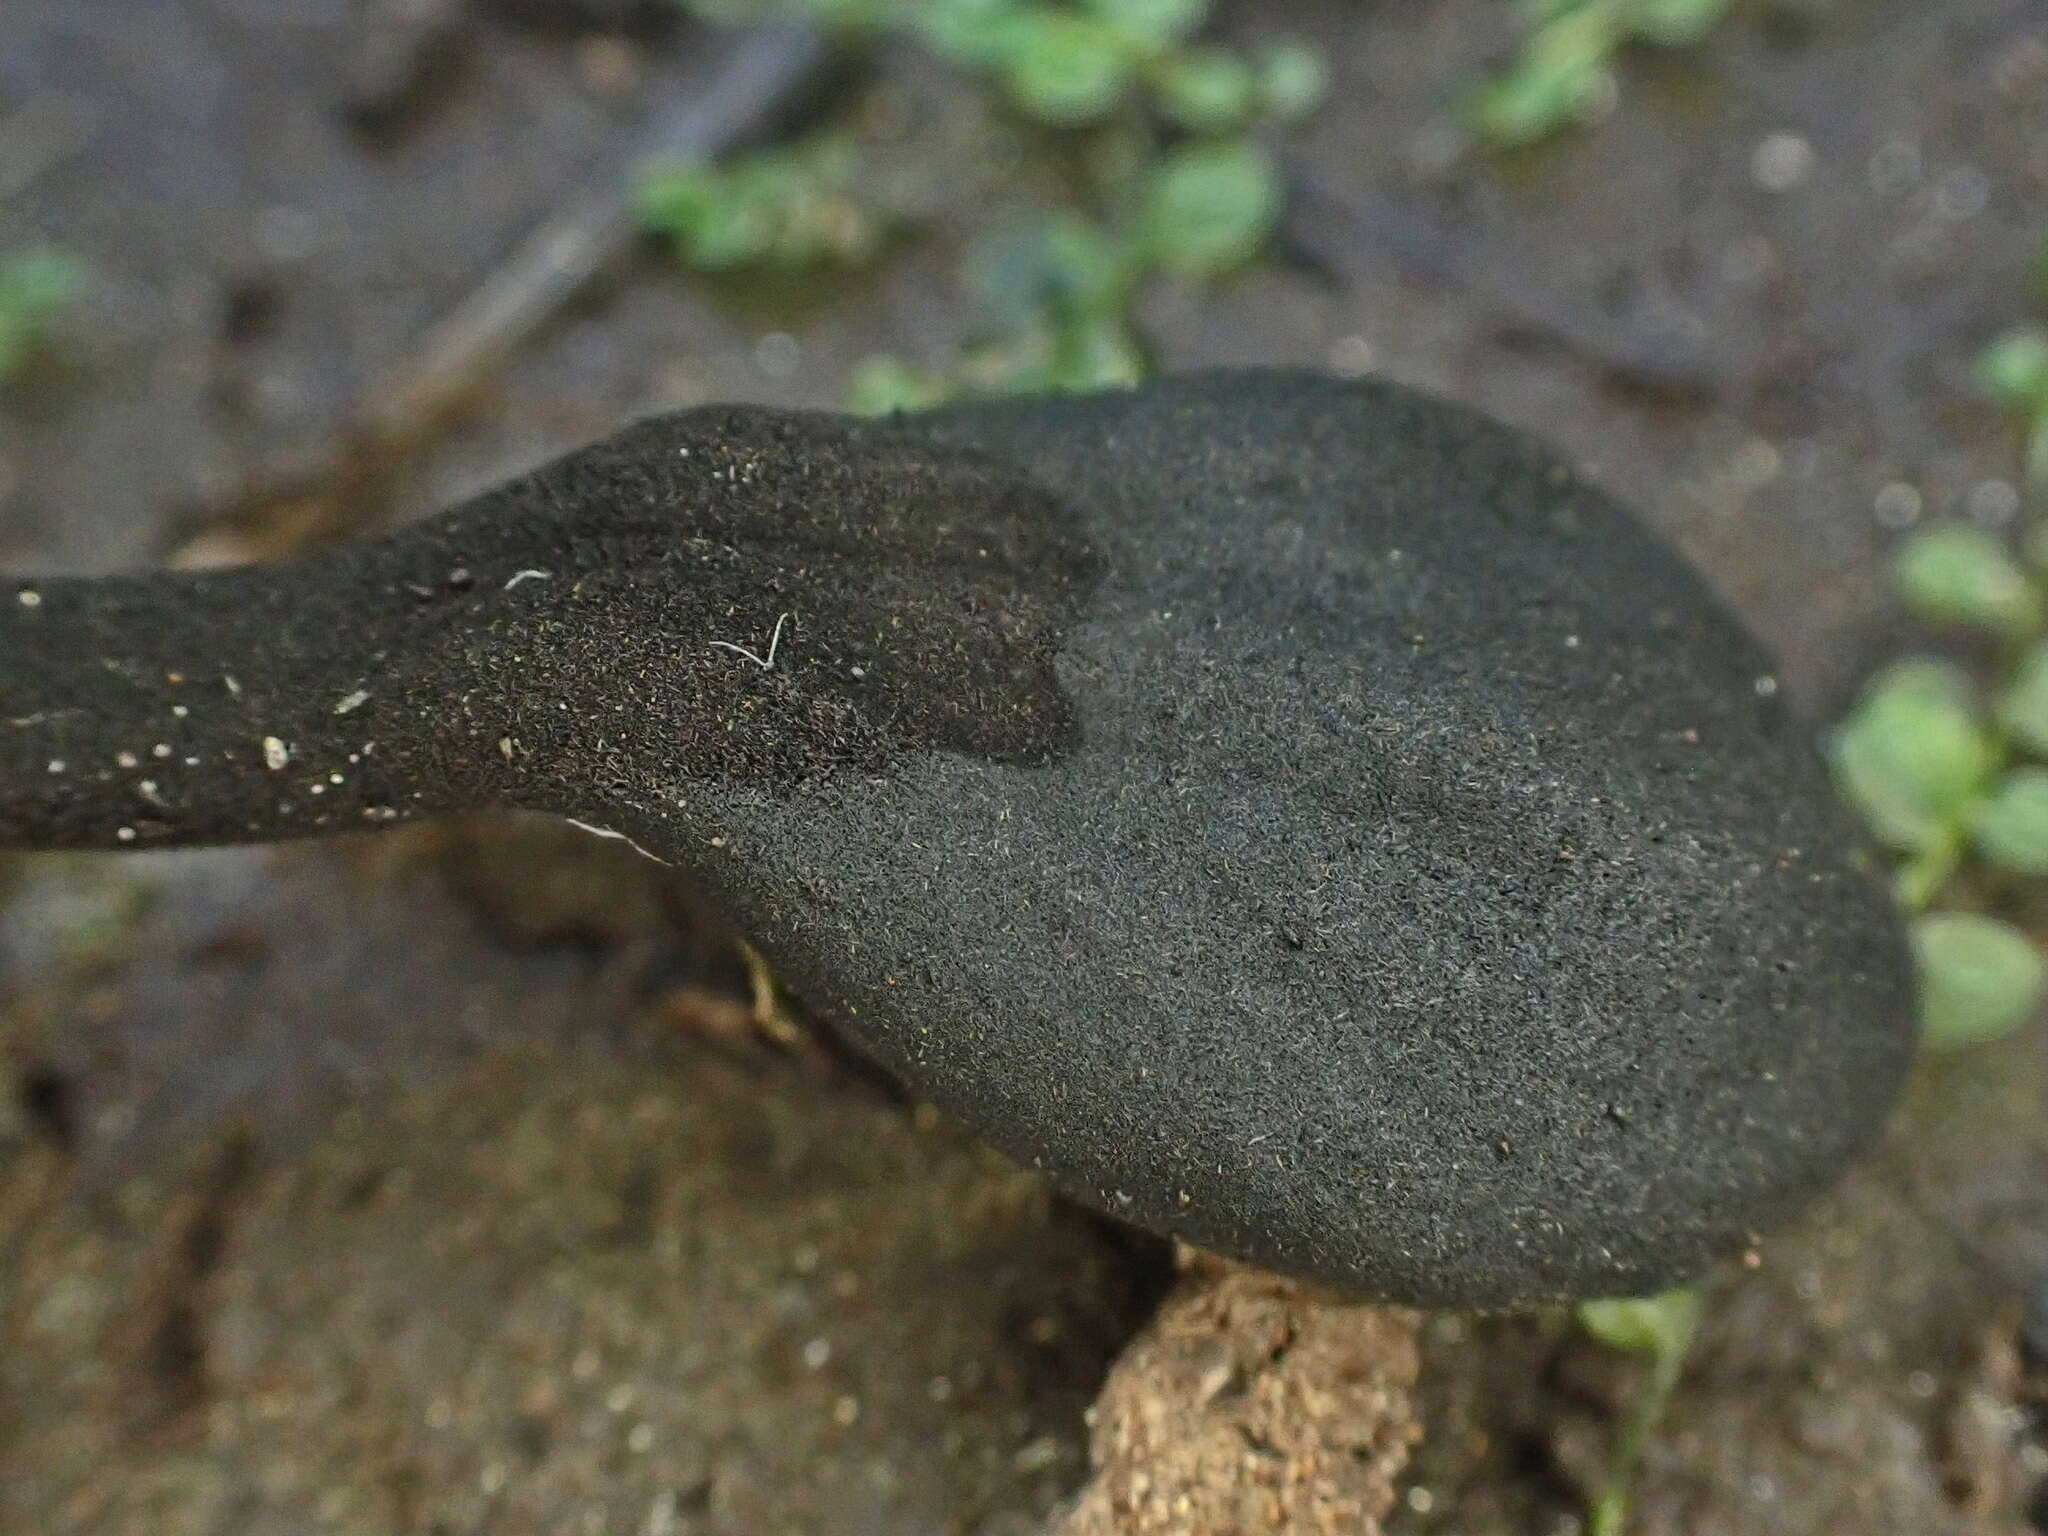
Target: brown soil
[[447, 1182], [1251, 1404]]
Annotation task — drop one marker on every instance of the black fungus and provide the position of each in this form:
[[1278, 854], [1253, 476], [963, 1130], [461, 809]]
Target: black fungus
[[1301, 816]]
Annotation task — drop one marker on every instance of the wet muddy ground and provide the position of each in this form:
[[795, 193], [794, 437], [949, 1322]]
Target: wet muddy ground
[[444, 1183]]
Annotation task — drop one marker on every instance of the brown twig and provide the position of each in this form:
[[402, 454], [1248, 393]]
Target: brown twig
[[337, 484]]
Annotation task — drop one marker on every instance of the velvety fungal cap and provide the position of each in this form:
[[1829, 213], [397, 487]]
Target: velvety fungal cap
[[1301, 816]]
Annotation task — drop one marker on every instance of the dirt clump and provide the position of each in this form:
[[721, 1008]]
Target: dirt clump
[[1252, 1405]]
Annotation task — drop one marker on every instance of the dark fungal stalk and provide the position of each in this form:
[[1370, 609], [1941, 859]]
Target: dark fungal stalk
[[1302, 817], [205, 708], [744, 596]]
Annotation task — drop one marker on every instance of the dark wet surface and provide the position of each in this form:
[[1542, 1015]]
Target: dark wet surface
[[328, 1202]]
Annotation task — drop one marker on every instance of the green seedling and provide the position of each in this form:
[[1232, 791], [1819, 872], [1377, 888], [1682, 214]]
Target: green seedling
[[1948, 770], [2013, 371], [1208, 208], [1978, 977], [791, 208], [1660, 1329], [1053, 294], [1051, 297], [1075, 64], [37, 285], [1565, 69], [1925, 761], [1194, 194]]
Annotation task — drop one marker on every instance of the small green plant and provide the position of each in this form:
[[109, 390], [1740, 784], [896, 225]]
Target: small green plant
[[1052, 294], [37, 285], [1050, 297], [1193, 193], [1077, 64], [1660, 1329], [789, 208], [1949, 768], [1565, 69], [2013, 370]]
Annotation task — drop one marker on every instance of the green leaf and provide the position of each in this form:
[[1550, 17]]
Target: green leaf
[[2010, 825], [976, 33], [1027, 272], [791, 207], [1920, 878], [1065, 69], [1208, 208], [885, 385], [1063, 356], [1561, 70], [1293, 79], [1157, 23], [1660, 1326], [1979, 978], [1206, 90], [1912, 755], [1959, 574], [2023, 709], [1100, 353], [2013, 370], [1673, 23], [37, 284]]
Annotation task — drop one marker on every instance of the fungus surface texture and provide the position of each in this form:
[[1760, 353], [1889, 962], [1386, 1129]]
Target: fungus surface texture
[[1301, 816]]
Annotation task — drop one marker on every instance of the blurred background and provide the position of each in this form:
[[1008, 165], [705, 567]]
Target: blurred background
[[460, 1180]]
